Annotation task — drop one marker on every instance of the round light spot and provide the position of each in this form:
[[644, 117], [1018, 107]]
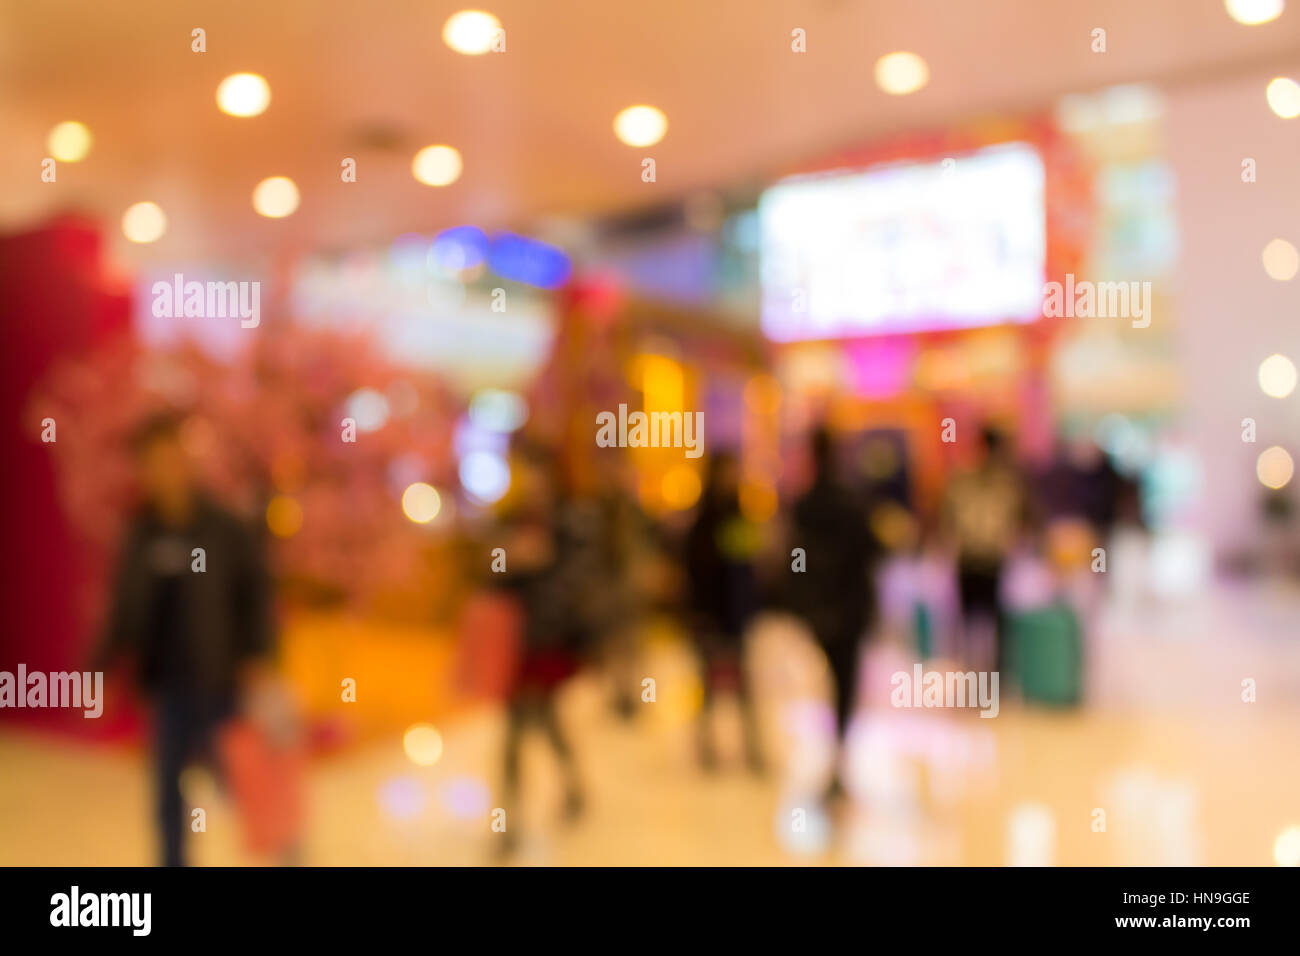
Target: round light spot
[[69, 142], [243, 94], [421, 502], [368, 408], [1284, 97], [1277, 376], [498, 410], [276, 197], [640, 125], [437, 165], [144, 222], [1274, 467], [1281, 261], [901, 73], [470, 32], [402, 798], [284, 516], [680, 487], [1286, 848], [423, 744], [485, 475], [1254, 12]]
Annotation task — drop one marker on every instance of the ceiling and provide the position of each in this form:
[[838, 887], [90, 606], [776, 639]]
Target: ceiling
[[373, 81]]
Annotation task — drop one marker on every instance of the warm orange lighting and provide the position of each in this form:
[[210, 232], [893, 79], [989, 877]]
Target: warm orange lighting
[[276, 197], [437, 165], [640, 125], [423, 745], [284, 516], [69, 142], [144, 222], [901, 73], [421, 502], [243, 94], [680, 487]]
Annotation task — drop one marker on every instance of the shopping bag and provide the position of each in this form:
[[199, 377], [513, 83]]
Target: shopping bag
[[488, 645], [263, 761]]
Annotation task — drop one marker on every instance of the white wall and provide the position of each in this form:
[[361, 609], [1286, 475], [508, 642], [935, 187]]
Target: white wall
[[1230, 315]]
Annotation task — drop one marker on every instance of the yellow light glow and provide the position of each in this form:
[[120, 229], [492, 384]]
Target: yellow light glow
[[758, 501], [69, 142], [284, 516], [1277, 376], [470, 32], [1274, 467], [1281, 261], [901, 73], [1286, 849], [276, 197], [421, 502], [243, 94], [423, 744], [1254, 12], [1284, 97], [640, 125], [663, 384], [680, 487], [144, 222], [437, 165]]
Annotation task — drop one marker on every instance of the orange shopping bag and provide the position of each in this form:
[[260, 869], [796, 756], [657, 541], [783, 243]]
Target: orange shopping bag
[[265, 767], [488, 645]]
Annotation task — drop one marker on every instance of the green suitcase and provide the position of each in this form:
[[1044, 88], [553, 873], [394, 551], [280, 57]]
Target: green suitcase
[[1047, 654]]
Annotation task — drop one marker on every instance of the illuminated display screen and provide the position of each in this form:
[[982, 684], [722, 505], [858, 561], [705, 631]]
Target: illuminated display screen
[[955, 243]]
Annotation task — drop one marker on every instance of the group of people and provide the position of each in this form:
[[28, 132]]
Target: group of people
[[584, 566]]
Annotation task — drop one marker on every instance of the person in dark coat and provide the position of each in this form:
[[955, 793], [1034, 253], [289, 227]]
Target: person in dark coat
[[835, 593], [190, 608], [722, 597], [549, 570]]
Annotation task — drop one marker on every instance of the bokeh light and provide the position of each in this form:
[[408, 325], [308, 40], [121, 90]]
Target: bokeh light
[[1281, 261], [1284, 97], [1274, 467], [901, 73], [437, 165], [1277, 376], [1254, 12], [243, 94], [485, 475], [423, 744], [69, 142], [1286, 848], [284, 516], [276, 197], [144, 222], [680, 487], [470, 31], [421, 502], [402, 798], [640, 125], [368, 408], [498, 410]]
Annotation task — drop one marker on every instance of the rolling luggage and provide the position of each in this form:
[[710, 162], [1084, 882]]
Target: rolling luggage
[[1047, 654]]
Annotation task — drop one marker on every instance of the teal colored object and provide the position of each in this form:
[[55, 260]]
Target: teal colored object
[[923, 628], [1047, 655]]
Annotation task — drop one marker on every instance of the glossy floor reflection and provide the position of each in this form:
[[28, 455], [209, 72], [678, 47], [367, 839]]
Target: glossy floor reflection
[[1181, 771]]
